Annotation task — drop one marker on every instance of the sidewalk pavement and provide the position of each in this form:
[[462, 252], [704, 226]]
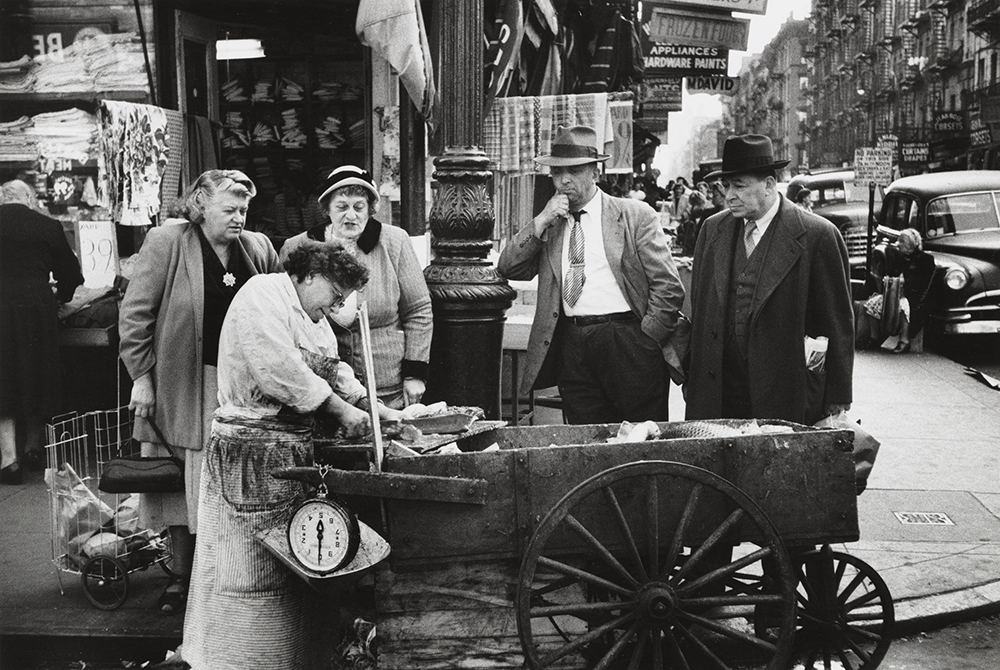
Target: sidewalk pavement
[[937, 471]]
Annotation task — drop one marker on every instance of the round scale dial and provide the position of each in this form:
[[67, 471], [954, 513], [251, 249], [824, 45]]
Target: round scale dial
[[323, 535]]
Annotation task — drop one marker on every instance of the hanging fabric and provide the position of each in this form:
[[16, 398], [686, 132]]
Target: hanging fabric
[[133, 158], [394, 29], [518, 129], [503, 50]]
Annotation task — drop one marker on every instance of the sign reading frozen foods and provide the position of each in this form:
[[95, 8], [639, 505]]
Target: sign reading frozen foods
[[676, 26], [744, 6]]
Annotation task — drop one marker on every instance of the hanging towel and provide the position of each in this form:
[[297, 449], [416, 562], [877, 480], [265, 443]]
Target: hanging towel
[[394, 29]]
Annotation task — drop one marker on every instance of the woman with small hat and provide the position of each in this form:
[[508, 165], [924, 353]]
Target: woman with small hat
[[399, 304]]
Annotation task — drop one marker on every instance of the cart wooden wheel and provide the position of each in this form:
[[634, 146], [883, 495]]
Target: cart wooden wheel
[[105, 581], [640, 566], [845, 613]]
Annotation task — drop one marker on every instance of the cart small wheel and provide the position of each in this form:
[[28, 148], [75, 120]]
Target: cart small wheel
[[642, 566], [845, 612], [167, 562], [105, 581]]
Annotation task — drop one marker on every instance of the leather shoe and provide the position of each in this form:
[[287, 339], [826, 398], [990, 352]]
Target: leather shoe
[[902, 348], [12, 474]]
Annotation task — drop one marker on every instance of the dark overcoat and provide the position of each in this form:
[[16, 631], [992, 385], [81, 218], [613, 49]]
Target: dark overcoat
[[803, 289]]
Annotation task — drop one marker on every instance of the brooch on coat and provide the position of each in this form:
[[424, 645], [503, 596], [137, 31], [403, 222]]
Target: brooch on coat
[[229, 279]]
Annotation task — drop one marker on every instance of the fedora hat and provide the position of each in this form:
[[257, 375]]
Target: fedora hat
[[746, 153], [573, 145]]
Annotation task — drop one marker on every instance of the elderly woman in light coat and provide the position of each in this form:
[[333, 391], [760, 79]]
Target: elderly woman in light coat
[[184, 278]]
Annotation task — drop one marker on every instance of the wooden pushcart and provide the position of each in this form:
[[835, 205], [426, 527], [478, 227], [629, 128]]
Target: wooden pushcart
[[561, 550]]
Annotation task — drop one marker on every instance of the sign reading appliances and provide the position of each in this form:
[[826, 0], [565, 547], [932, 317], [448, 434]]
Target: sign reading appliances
[[675, 60], [674, 26]]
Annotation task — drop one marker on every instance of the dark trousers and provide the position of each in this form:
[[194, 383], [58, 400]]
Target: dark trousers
[[735, 382], [611, 372]]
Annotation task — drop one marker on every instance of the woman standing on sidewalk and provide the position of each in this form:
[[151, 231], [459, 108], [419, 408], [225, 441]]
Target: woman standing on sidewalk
[[32, 246], [184, 279]]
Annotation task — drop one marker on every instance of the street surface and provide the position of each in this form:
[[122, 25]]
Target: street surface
[[968, 646]]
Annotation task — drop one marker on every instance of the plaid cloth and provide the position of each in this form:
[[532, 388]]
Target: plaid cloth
[[520, 128]]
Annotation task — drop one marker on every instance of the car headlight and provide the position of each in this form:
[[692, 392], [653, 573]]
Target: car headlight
[[956, 279]]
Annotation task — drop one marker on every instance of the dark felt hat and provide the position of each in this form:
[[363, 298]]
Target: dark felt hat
[[573, 145], [747, 153], [348, 175]]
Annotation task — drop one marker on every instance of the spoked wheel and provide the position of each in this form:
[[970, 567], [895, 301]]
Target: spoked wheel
[[105, 581], [641, 566], [166, 550], [845, 613]]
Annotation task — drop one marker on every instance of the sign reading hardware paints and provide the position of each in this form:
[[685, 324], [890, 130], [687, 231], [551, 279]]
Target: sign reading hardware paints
[[726, 85], [675, 26], [744, 6], [677, 60]]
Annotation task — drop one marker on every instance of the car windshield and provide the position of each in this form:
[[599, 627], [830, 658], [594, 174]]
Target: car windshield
[[959, 213]]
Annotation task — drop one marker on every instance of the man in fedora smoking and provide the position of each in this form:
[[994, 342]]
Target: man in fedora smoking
[[608, 292], [766, 276]]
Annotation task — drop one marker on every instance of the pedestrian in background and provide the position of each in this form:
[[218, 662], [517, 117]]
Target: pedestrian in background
[[766, 276], [804, 199], [609, 294], [32, 246], [184, 279]]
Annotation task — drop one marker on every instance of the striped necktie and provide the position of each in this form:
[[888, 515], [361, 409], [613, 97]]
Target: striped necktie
[[748, 242], [573, 284]]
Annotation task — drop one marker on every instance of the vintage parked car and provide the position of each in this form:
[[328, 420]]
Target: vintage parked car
[[837, 199], [957, 215]]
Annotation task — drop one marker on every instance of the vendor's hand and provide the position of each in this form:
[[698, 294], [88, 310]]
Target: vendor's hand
[[413, 391], [831, 408], [356, 422], [143, 399], [556, 211], [388, 414]]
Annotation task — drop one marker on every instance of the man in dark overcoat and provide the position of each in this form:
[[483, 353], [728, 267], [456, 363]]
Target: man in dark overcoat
[[767, 276]]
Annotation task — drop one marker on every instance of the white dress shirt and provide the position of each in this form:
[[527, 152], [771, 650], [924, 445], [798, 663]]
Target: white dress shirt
[[764, 221], [601, 294]]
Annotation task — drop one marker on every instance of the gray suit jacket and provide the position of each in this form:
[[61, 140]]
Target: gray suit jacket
[[639, 255]]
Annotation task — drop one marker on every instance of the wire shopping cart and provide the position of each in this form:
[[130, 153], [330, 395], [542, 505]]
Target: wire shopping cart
[[96, 534]]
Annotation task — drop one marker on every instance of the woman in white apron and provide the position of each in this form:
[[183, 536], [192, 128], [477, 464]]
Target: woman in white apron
[[277, 366]]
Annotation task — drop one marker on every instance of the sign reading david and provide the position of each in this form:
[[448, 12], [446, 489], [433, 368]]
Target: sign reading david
[[713, 84]]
